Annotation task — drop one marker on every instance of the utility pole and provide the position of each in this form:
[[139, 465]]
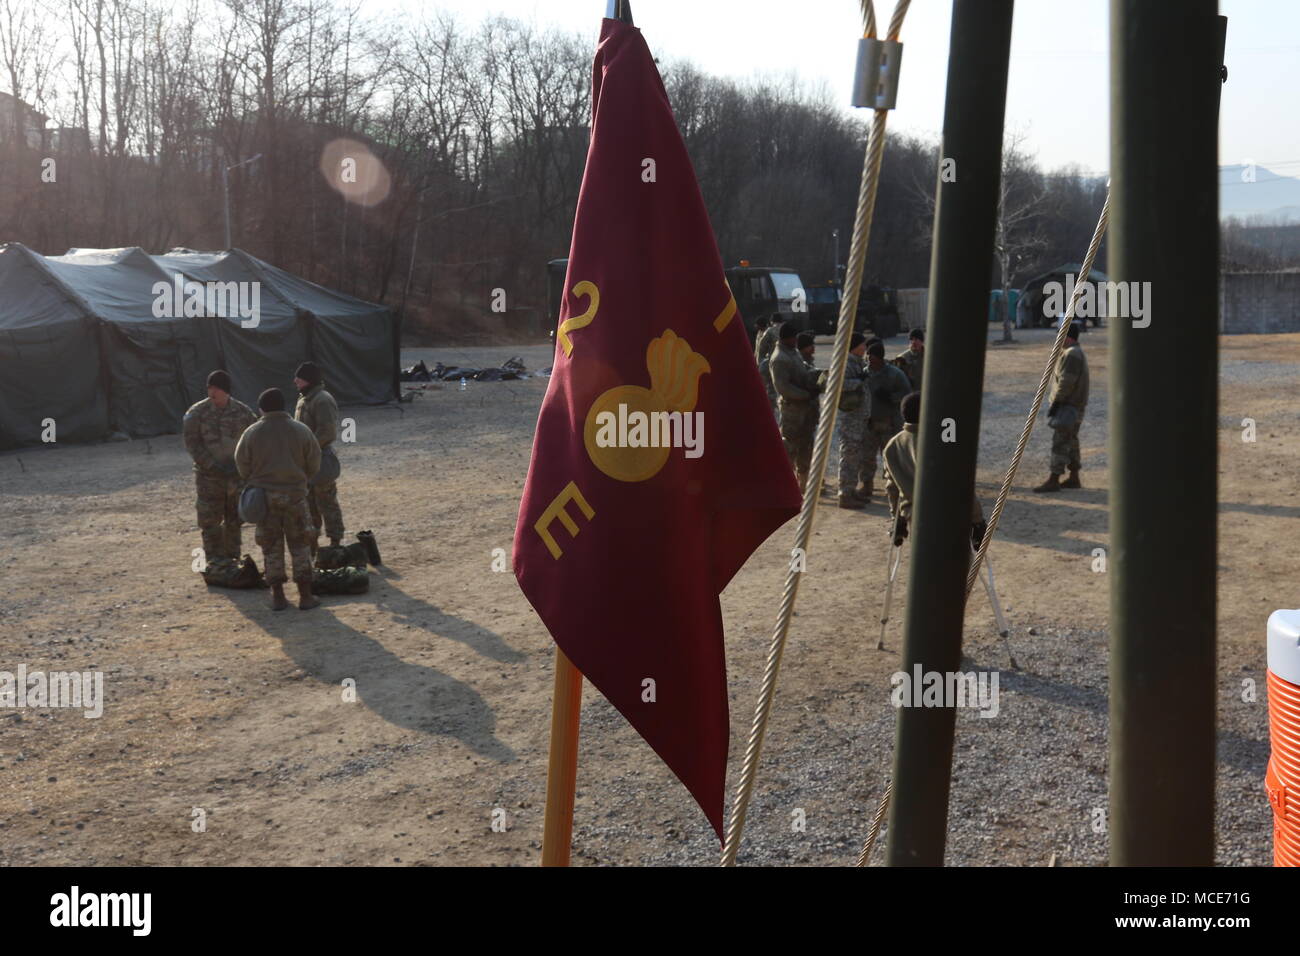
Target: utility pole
[[225, 189], [957, 335], [1164, 244]]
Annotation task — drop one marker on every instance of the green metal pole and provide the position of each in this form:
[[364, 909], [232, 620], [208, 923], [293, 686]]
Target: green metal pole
[[1165, 79], [957, 333]]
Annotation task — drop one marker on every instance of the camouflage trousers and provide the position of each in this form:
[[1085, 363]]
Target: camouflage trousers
[[218, 508], [287, 522], [326, 515], [1065, 448], [850, 426], [798, 429], [875, 436]]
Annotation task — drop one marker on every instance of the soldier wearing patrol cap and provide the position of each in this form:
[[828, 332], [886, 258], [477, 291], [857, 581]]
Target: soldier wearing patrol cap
[[1065, 414]]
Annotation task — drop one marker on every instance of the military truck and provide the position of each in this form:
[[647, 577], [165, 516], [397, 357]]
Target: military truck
[[769, 291], [877, 310], [759, 291]]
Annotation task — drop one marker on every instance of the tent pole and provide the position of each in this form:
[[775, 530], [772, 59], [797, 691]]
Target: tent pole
[[1165, 83], [964, 222]]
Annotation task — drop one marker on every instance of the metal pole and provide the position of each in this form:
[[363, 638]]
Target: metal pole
[[225, 188], [1165, 61], [225, 191], [965, 218]]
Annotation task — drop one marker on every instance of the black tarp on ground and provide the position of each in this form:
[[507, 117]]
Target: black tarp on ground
[[80, 340]]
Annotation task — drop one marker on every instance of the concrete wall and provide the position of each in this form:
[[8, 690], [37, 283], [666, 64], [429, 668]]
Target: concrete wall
[[1259, 302], [912, 307]]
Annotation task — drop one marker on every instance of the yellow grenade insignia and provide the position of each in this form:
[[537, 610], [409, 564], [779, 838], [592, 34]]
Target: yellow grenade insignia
[[629, 429]]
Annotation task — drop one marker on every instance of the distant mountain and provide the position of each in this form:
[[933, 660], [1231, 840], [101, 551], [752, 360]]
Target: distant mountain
[[1269, 196]]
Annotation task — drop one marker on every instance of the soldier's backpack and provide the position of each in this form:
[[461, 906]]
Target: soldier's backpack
[[367, 538], [229, 573], [329, 557], [340, 581]]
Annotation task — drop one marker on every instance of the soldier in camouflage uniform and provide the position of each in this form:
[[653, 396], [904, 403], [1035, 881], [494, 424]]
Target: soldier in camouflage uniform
[[278, 455], [1065, 414], [764, 346], [900, 476], [911, 359], [887, 385], [211, 429], [796, 384], [318, 410], [855, 406]]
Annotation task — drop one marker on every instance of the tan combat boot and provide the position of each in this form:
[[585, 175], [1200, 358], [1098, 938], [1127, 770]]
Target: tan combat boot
[[1053, 483], [1073, 480], [851, 501], [278, 601], [306, 601]]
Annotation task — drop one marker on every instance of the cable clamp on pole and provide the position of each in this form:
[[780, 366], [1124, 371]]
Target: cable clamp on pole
[[875, 81]]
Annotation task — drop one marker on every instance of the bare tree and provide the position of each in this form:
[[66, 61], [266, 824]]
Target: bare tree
[[1017, 236]]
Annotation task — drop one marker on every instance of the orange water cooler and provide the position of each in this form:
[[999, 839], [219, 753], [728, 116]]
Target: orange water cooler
[[1282, 781]]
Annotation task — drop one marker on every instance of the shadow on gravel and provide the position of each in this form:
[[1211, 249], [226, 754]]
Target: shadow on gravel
[[1031, 519], [1236, 750], [1268, 511], [411, 696]]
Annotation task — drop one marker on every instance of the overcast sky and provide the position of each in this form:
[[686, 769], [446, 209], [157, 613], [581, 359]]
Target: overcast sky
[[1059, 69]]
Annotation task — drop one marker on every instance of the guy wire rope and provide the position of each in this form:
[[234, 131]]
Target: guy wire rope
[[821, 446]]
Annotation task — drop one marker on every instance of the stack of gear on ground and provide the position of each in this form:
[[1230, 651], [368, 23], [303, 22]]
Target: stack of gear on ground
[[343, 569], [232, 573]]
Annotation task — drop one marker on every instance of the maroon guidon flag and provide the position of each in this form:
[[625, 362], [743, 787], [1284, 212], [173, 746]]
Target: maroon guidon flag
[[657, 468]]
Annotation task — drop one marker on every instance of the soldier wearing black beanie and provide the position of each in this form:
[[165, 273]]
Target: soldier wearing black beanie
[[318, 410], [211, 429]]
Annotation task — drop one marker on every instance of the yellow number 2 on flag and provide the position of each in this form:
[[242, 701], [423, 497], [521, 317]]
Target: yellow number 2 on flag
[[578, 321]]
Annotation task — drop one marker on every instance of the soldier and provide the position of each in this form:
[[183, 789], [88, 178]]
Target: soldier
[[318, 410], [278, 455], [764, 345], [900, 475], [1065, 414], [797, 389], [855, 406], [912, 358], [211, 429], [886, 384]]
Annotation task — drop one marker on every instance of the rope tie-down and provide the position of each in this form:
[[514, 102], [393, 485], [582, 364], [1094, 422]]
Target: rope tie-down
[[876, 86]]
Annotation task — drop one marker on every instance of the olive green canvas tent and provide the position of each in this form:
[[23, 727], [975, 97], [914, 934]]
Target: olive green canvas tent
[[99, 341]]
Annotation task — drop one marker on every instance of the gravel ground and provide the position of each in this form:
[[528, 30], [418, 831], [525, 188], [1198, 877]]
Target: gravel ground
[[215, 702]]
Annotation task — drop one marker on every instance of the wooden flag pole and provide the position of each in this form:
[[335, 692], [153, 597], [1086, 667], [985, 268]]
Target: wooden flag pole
[[562, 773]]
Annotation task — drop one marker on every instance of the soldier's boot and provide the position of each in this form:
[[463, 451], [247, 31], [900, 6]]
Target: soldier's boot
[[1073, 480], [864, 493], [278, 600], [306, 601], [851, 502], [1053, 483], [334, 542]]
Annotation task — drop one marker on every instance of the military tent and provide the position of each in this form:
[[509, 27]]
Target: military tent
[[116, 340]]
